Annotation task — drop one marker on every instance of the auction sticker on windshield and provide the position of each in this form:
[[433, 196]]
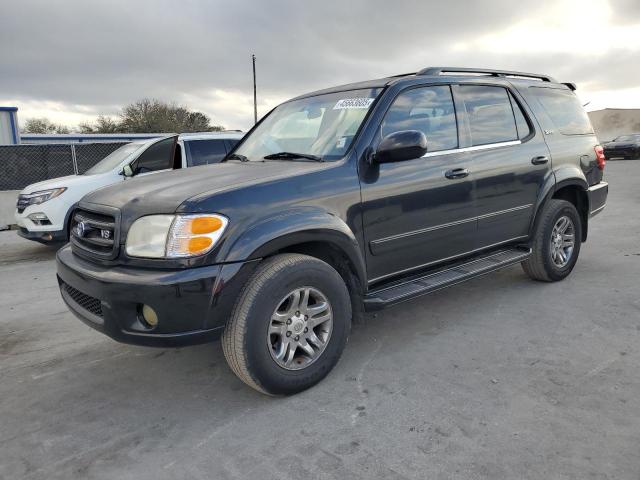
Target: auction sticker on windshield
[[346, 103]]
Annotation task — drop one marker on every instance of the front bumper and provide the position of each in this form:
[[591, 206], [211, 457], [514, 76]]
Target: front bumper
[[192, 304], [597, 197], [43, 237], [54, 231]]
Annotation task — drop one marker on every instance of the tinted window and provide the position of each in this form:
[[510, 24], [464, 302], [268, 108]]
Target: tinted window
[[204, 152], [564, 109], [427, 109], [231, 142], [158, 156], [490, 115], [521, 121]]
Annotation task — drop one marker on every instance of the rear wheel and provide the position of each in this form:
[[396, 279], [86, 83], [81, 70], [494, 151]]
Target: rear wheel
[[556, 242], [289, 326]]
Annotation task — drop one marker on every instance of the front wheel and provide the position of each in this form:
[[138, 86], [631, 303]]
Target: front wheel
[[556, 242], [289, 326]]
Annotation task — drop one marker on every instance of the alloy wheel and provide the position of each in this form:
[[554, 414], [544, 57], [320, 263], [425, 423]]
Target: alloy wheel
[[300, 328], [562, 241]]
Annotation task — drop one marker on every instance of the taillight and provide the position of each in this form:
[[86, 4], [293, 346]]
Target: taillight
[[600, 158]]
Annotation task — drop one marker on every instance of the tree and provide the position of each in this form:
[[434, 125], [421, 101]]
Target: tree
[[152, 116], [43, 125], [102, 125]]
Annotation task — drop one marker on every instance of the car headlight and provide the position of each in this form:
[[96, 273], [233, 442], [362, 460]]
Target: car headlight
[[36, 198], [174, 236]]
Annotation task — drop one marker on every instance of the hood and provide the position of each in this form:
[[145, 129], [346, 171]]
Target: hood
[[68, 181], [164, 192]]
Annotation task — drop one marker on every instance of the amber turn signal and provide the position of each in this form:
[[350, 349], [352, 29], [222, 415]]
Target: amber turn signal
[[198, 244], [202, 225]]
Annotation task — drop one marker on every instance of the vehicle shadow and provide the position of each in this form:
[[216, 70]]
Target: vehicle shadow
[[14, 249]]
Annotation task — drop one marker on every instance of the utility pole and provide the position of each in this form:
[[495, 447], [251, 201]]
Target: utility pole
[[255, 98]]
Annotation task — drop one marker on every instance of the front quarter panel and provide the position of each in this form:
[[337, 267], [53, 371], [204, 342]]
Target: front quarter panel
[[301, 225], [322, 205]]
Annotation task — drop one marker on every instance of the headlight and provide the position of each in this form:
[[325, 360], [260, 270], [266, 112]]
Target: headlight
[[36, 198], [174, 236]]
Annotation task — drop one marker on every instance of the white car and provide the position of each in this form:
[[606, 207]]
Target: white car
[[44, 208]]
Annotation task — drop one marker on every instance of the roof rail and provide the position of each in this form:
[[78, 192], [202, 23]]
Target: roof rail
[[494, 73]]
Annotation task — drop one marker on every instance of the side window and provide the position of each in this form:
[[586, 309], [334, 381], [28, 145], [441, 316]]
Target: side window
[[524, 129], [491, 118], [564, 109], [158, 156], [427, 109], [204, 152]]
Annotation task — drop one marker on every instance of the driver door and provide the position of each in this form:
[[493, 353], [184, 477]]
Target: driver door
[[415, 212]]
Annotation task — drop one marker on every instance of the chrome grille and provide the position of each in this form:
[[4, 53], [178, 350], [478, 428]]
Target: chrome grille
[[94, 233], [90, 304]]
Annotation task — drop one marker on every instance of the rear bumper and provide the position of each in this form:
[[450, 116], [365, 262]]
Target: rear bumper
[[192, 305], [597, 197]]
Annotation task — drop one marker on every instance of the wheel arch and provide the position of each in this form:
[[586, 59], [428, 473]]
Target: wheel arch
[[572, 189], [67, 220], [307, 231]]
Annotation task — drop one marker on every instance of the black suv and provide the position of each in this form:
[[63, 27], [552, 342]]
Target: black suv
[[340, 201]]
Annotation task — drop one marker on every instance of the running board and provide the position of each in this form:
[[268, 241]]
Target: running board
[[431, 282]]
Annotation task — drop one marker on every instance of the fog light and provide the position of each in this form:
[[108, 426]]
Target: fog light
[[149, 315], [39, 218]]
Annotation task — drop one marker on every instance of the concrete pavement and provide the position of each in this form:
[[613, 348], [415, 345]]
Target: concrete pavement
[[497, 378]]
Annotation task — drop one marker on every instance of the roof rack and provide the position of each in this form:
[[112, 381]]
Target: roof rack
[[494, 73]]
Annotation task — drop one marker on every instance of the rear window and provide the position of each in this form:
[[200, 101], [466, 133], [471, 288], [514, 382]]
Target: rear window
[[204, 152], [524, 129], [564, 110], [231, 142], [491, 118]]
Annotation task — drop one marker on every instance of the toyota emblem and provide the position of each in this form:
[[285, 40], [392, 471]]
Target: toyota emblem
[[81, 229]]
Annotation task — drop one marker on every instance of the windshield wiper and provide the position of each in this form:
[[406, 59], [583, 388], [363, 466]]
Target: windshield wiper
[[285, 155], [237, 156]]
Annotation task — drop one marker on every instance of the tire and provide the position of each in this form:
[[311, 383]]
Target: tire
[[267, 304], [544, 264]]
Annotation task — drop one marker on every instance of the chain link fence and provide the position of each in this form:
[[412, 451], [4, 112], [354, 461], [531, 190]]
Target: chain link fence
[[22, 165]]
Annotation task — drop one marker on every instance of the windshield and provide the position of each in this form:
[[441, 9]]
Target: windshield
[[323, 126], [627, 138], [114, 159]]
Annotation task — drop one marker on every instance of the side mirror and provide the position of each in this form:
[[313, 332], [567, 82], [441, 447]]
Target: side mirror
[[127, 171], [400, 146]]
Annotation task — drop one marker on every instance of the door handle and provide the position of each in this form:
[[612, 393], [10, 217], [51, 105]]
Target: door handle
[[539, 160], [456, 173]]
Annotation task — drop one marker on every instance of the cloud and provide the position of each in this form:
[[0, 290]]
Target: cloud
[[90, 57]]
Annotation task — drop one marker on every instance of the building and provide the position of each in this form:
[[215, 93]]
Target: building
[[611, 122], [9, 132]]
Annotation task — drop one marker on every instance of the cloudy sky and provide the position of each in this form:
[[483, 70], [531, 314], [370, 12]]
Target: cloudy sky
[[73, 60]]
